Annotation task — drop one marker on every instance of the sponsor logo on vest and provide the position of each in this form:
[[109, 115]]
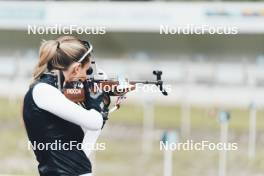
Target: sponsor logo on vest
[[73, 91]]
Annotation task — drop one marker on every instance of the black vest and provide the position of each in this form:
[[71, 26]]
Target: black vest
[[45, 127]]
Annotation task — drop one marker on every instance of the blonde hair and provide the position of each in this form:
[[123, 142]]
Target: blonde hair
[[59, 54]]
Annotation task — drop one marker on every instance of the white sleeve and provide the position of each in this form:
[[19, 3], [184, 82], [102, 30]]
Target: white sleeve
[[52, 100], [89, 141]]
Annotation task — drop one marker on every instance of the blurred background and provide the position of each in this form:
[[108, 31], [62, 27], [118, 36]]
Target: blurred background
[[208, 74]]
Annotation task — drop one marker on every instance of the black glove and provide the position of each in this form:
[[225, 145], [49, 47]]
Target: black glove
[[99, 101]]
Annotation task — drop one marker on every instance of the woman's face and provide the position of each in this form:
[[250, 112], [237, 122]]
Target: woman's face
[[76, 72]]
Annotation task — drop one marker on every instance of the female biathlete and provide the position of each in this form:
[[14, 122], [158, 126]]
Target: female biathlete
[[50, 117]]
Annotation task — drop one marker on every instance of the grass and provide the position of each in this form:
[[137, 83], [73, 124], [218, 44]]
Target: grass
[[124, 155], [165, 116], [170, 117]]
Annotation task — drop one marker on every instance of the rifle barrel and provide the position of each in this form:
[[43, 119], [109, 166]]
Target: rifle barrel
[[145, 82], [134, 81]]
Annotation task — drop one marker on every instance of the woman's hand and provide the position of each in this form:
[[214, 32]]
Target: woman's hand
[[99, 101]]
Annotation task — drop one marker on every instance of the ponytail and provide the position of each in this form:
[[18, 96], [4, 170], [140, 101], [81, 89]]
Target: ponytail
[[59, 54], [46, 53]]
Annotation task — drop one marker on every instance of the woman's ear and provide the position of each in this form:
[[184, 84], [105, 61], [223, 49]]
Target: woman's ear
[[74, 70]]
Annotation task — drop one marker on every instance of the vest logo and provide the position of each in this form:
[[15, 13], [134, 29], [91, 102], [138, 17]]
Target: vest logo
[[73, 91]]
